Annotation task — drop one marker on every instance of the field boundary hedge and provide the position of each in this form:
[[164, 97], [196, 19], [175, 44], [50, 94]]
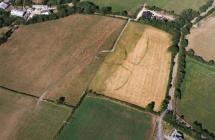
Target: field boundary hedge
[[191, 53], [174, 31], [33, 96], [202, 17], [196, 130], [185, 30], [5, 36], [200, 132], [71, 114], [149, 110]]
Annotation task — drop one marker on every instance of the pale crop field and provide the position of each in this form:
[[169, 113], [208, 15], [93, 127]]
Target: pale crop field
[[138, 70]]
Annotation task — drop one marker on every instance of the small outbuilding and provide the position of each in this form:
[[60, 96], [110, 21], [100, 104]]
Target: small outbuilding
[[147, 15], [18, 13], [3, 5], [176, 135], [40, 7]]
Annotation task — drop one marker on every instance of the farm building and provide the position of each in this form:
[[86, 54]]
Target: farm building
[[40, 7], [18, 13], [3, 5], [38, 10], [153, 15], [147, 15], [176, 135]]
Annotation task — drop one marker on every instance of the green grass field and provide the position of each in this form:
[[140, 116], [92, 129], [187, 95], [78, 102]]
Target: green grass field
[[102, 119], [177, 5], [117, 5], [132, 5], [22, 119], [198, 94]]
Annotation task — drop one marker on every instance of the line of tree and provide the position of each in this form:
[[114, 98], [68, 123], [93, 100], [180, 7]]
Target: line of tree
[[20, 2], [204, 7], [149, 107], [185, 26], [83, 7], [7, 20], [201, 17], [59, 2], [186, 18], [178, 29], [4, 36], [155, 8], [196, 131], [181, 66], [192, 54], [198, 127]]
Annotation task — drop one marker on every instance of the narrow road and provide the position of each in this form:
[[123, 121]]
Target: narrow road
[[160, 135], [139, 15], [170, 107], [173, 82]]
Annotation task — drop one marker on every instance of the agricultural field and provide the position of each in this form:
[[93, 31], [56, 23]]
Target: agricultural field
[[99, 118], [22, 118], [201, 39], [131, 6], [197, 102], [57, 58], [4, 30], [177, 5], [138, 70]]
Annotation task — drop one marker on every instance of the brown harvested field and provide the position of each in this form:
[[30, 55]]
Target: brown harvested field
[[57, 58], [138, 71], [201, 39], [22, 119]]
